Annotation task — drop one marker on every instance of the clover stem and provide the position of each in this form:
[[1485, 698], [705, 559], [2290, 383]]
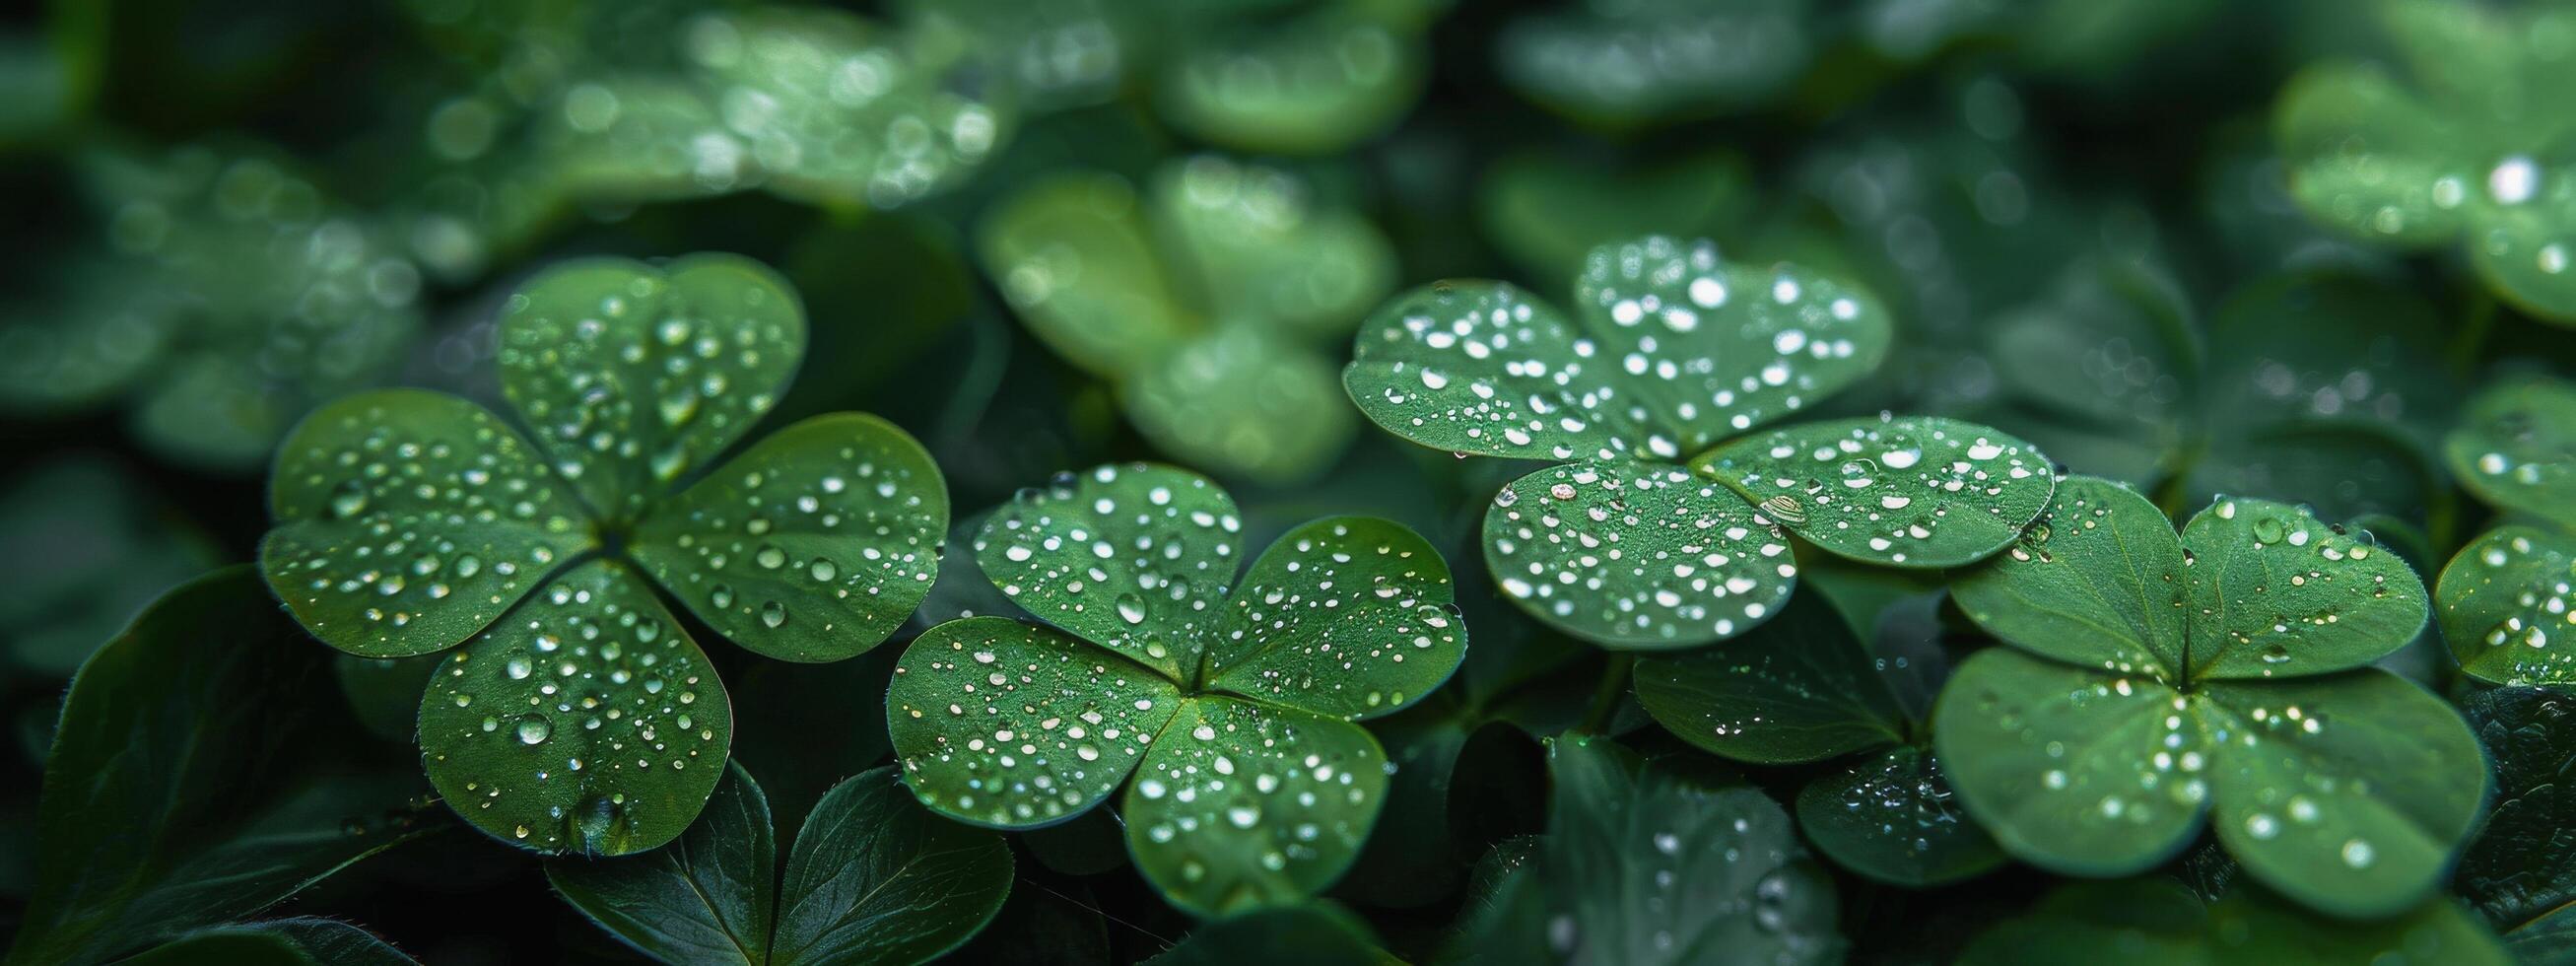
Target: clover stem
[[1605, 700]]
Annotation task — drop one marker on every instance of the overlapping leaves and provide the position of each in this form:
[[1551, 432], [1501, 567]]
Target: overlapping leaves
[[2504, 598], [1230, 701], [577, 714], [2155, 683], [1671, 356]]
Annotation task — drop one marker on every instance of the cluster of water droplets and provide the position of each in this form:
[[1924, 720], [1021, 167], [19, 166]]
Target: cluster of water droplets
[[1135, 558], [1637, 552], [1339, 622], [1908, 491], [1005, 724], [398, 506], [1902, 796], [2509, 606], [2125, 755], [561, 725], [1247, 804], [2286, 578]]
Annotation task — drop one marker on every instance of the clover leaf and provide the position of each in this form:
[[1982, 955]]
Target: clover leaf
[[1231, 700], [2467, 154], [1314, 83], [1630, 64], [1803, 688], [1203, 302], [578, 714], [1641, 865], [870, 877], [2154, 681], [2159, 922], [2520, 872], [2503, 599], [1671, 357]]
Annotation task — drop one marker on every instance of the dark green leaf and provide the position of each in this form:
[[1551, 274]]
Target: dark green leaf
[[2516, 448], [1797, 689], [709, 896], [583, 721], [1634, 63], [1893, 817], [2521, 871], [407, 521], [2155, 922], [876, 878], [2098, 581], [1311, 935], [1914, 491], [276, 942]]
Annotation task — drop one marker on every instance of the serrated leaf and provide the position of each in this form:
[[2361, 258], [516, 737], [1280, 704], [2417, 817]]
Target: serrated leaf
[[2504, 602], [2157, 922], [2097, 581], [2521, 870], [2350, 794], [194, 780], [1346, 617], [583, 721], [633, 375], [2074, 770], [872, 878], [1313, 85], [1240, 805], [1009, 725], [813, 545], [1893, 817], [2275, 592], [409, 520], [1134, 558], [2515, 447], [1797, 689], [1636, 555], [1911, 491]]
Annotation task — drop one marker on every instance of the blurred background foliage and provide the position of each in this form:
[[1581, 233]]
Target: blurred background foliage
[[1044, 235]]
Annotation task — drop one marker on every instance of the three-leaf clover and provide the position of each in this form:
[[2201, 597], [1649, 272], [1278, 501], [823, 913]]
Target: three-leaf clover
[[1203, 302], [2471, 154], [1803, 688], [2504, 599], [1666, 530], [869, 878], [578, 715], [1231, 700], [2154, 681]]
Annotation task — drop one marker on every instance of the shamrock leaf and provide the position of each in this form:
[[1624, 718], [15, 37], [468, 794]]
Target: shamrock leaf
[[1230, 700], [2157, 922], [871, 877], [1643, 866], [1312, 84], [1671, 353], [1803, 688], [2503, 598], [2469, 154], [1201, 302], [2153, 681], [1630, 64], [578, 714], [194, 780], [2521, 872]]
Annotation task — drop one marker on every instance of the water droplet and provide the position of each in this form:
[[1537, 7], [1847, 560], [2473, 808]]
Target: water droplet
[[534, 729]]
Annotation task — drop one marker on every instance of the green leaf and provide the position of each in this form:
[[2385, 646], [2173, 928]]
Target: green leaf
[[2156, 922], [281, 942], [193, 779], [2516, 448], [1075, 259], [2098, 581], [84, 546], [1316, 84], [1245, 401], [1239, 804], [1135, 558], [2504, 606], [872, 878], [2276, 592], [807, 726], [709, 896], [813, 545], [1310, 935], [1346, 617], [407, 521], [2070, 769], [2523, 251], [1635, 63], [2350, 794], [1004, 724], [583, 721], [876, 878], [1797, 689], [384, 692], [2546, 941], [1641, 866], [1636, 555], [2520, 871], [1912, 491], [2368, 159], [632, 375], [1548, 210], [1893, 817], [1260, 246]]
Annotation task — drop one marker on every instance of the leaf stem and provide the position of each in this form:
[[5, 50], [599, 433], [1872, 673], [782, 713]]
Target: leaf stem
[[1605, 699]]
